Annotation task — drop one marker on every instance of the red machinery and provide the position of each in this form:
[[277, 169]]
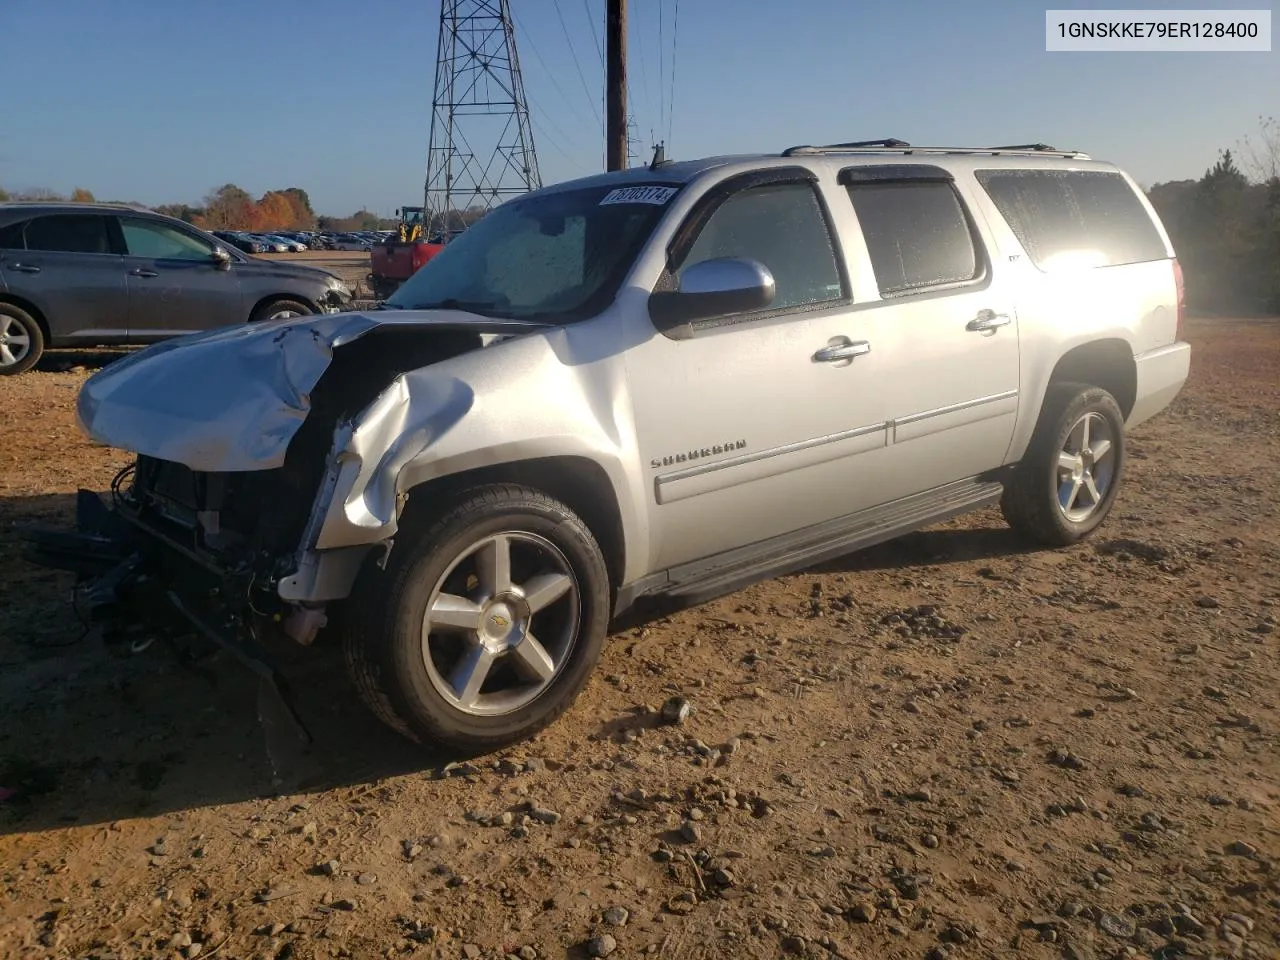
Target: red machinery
[[394, 261]]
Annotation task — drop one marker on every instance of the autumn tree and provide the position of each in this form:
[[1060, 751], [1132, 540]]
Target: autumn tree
[[304, 217], [81, 195], [277, 211], [4, 194], [230, 208]]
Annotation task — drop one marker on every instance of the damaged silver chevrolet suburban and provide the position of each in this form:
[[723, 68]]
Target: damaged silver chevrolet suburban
[[664, 382]]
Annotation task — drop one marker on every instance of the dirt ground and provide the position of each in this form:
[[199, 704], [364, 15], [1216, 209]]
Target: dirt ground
[[951, 746]]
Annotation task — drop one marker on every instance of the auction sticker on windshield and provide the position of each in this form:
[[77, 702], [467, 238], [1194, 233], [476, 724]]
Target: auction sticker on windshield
[[655, 195]]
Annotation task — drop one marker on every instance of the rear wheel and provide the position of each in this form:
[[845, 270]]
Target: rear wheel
[[21, 340], [486, 622], [280, 310], [1066, 484]]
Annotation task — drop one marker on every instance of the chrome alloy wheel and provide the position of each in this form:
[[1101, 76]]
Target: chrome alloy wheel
[[1086, 467], [501, 623], [15, 342]]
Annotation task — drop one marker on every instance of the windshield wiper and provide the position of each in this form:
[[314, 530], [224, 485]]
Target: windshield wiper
[[384, 305]]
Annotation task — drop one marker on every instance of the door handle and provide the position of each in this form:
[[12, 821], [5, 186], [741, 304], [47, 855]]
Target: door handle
[[24, 268], [139, 272], [842, 351], [988, 320]]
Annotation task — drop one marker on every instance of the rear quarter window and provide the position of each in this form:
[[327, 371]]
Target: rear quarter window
[[1074, 217]]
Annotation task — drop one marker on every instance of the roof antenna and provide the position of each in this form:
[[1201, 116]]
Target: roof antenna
[[659, 155]]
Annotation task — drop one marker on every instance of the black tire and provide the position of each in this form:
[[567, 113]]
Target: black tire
[[383, 639], [1031, 498], [273, 307], [382, 287], [15, 319]]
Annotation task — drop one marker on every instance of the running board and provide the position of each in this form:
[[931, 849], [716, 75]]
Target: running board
[[715, 576]]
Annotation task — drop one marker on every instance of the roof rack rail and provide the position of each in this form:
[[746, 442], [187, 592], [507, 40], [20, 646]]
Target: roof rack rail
[[901, 146], [890, 143], [1037, 147], [887, 142]]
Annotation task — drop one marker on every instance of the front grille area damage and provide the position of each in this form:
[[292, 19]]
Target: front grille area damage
[[175, 550]]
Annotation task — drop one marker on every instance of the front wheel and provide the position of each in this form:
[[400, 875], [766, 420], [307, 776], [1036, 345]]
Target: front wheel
[[486, 622], [280, 310], [1066, 483], [21, 340]]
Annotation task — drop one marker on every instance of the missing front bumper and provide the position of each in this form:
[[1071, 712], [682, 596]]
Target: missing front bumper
[[136, 586]]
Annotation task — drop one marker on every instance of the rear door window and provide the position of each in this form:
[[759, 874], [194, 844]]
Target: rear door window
[[69, 233], [11, 237], [1074, 217], [917, 234]]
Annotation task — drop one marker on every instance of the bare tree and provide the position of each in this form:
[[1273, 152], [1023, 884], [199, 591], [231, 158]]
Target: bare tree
[[39, 193], [1260, 154]]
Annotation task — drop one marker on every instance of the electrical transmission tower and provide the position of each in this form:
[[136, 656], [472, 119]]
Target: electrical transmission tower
[[481, 148]]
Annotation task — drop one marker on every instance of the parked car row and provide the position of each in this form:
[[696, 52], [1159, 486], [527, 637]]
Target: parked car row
[[97, 274], [299, 241]]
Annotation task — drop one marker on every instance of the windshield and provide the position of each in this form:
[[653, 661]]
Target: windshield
[[556, 257]]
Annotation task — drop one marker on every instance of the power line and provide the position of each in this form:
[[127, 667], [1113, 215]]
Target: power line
[[644, 80], [586, 5], [595, 36], [555, 127], [550, 76], [546, 136], [662, 68], [675, 42], [577, 63]]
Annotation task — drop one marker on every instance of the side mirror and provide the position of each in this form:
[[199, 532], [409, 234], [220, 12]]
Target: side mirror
[[221, 259], [709, 289]]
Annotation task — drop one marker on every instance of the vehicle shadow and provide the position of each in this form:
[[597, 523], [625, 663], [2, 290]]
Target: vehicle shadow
[[91, 736], [936, 546], [60, 361]]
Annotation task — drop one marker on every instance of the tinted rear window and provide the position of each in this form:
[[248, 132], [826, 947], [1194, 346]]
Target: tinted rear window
[[917, 235], [69, 233], [11, 237], [1066, 216]]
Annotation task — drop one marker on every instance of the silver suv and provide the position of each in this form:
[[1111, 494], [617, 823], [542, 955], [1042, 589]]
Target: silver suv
[[661, 383], [80, 274]]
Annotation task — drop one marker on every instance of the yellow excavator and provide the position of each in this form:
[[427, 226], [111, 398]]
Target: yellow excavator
[[410, 229], [400, 257]]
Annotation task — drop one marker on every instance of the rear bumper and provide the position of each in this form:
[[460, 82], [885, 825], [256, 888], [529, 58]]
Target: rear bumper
[[1161, 375]]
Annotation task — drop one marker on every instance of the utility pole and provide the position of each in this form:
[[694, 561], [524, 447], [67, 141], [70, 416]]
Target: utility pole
[[616, 85]]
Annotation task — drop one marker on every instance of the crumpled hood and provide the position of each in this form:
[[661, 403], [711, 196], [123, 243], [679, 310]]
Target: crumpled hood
[[231, 399]]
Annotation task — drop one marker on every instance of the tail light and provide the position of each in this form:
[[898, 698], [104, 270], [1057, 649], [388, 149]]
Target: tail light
[[1182, 299]]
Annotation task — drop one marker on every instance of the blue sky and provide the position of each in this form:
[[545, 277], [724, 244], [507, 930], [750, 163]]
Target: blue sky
[[162, 100]]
